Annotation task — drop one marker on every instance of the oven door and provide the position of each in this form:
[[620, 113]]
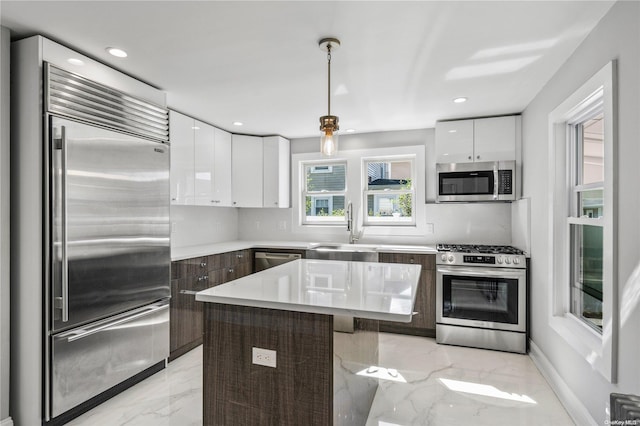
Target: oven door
[[493, 298]]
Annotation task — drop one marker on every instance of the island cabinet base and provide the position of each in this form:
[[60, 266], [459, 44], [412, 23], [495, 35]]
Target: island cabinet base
[[315, 374]]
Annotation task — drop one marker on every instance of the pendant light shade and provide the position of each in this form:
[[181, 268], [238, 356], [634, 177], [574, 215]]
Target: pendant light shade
[[329, 123]]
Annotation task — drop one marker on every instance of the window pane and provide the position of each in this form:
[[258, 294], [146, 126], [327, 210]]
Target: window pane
[[323, 208], [387, 175], [586, 274], [328, 178], [592, 150], [389, 205], [591, 203]]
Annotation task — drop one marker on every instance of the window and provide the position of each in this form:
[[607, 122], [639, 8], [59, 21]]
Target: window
[[324, 193], [586, 162], [389, 193], [582, 257]]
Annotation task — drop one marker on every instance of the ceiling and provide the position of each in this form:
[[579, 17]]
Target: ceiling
[[399, 67]]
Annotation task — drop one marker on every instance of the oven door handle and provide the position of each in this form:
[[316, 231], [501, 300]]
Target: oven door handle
[[485, 272]]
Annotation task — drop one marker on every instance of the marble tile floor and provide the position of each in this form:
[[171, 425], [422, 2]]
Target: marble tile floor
[[445, 385]]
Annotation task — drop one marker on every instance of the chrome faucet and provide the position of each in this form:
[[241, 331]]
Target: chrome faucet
[[353, 235]]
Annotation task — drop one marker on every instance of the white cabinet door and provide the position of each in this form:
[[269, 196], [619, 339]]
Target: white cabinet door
[[204, 160], [246, 169], [454, 141], [222, 168], [495, 139], [182, 155], [276, 172]]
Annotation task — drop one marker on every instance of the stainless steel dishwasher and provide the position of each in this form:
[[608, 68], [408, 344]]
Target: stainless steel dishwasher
[[265, 260]]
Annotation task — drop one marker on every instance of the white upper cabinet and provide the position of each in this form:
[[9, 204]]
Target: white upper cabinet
[[222, 170], [454, 141], [482, 139], [276, 172], [200, 162], [182, 151], [212, 165], [247, 171], [495, 138], [204, 161]]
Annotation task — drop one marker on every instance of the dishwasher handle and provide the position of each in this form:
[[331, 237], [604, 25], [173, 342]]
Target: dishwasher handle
[[278, 256]]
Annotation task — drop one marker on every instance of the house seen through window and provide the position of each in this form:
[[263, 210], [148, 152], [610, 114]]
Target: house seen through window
[[389, 191], [324, 192]]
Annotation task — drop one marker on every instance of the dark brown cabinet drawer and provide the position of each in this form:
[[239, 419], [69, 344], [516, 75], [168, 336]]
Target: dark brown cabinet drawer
[[424, 321]]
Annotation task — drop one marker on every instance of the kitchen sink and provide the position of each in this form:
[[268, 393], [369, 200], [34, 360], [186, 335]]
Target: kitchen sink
[[353, 252]]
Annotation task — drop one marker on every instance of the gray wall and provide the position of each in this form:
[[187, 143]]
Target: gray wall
[[616, 37], [4, 224]]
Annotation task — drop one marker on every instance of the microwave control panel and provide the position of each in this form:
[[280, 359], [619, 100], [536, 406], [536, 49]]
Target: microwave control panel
[[505, 182]]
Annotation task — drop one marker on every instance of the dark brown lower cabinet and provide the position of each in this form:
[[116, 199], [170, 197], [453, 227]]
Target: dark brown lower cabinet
[[190, 276], [424, 321]]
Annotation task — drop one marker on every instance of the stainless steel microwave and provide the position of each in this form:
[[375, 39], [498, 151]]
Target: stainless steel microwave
[[486, 181]]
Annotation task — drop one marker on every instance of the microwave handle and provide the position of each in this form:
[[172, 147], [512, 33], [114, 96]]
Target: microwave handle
[[495, 181]]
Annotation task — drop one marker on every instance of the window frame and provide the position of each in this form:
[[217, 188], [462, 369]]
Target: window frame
[[598, 349], [321, 220], [388, 221], [590, 109]]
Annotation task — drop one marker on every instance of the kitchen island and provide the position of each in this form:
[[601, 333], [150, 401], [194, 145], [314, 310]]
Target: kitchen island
[[271, 355]]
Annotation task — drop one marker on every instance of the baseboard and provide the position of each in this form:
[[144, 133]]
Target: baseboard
[[6, 422], [578, 412]]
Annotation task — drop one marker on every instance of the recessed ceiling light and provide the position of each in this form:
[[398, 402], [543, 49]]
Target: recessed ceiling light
[[350, 130], [75, 61], [119, 53], [238, 123], [453, 131], [195, 128], [460, 100]]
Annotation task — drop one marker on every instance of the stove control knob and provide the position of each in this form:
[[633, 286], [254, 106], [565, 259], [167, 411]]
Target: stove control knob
[[450, 258], [507, 260], [499, 260], [516, 261], [443, 257]]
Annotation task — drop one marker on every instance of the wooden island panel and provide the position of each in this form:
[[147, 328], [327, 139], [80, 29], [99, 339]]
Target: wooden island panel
[[299, 391]]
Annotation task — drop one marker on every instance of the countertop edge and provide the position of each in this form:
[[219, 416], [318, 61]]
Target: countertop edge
[[188, 252]]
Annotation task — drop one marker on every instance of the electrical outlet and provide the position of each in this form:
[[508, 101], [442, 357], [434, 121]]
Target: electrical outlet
[[429, 228], [264, 357], [257, 224]]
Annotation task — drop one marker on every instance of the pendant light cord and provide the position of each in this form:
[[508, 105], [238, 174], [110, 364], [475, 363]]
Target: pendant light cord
[[329, 79]]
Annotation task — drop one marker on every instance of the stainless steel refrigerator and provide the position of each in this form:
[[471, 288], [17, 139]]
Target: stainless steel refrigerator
[[107, 241]]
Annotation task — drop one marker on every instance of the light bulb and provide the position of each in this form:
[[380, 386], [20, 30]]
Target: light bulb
[[329, 143]]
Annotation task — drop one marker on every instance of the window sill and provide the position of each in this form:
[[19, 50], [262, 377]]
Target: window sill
[[593, 347]]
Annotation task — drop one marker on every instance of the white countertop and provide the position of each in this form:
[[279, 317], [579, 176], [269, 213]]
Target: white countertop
[[181, 253], [382, 291]]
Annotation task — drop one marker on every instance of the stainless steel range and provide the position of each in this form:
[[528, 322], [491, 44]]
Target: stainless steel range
[[481, 297]]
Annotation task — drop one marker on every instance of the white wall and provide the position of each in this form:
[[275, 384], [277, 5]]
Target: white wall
[[487, 223], [615, 37], [193, 225], [4, 225]]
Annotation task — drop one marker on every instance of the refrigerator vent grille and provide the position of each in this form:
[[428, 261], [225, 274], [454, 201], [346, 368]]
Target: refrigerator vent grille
[[74, 96]]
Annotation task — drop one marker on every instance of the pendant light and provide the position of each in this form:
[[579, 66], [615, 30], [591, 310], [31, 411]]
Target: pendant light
[[329, 123]]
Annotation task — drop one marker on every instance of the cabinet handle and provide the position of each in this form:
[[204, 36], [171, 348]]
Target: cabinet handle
[[240, 256], [231, 270], [234, 203], [191, 292], [469, 157], [412, 260], [173, 199], [203, 278], [478, 157], [215, 201], [415, 313], [203, 264], [276, 203]]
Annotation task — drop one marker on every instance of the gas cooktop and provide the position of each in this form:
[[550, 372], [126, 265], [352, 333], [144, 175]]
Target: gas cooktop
[[480, 255], [479, 248]]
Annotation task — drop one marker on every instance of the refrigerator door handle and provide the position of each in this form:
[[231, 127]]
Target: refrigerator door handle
[[85, 332], [64, 299], [65, 255]]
